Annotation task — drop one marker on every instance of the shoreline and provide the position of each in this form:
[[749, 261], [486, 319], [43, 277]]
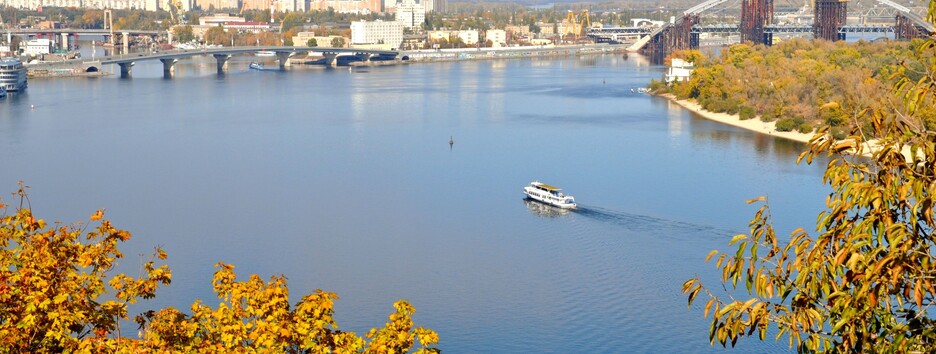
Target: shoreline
[[754, 124]]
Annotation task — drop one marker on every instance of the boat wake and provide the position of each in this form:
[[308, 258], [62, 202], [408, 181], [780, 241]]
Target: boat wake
[[644, 223]]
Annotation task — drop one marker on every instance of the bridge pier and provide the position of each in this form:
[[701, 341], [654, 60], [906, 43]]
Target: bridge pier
[[125, 69], [364, 56], [330, 58], [222, 61], [283, 58], [65, 41], [168, 66]]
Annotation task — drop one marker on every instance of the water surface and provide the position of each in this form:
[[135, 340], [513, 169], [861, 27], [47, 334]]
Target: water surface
[[345, 181]]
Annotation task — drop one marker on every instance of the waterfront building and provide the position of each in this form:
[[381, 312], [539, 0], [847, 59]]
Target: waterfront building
[[679, 70], [12, 74], [547, 29], [301, 38], [39, 46], [411, 14], [497, 37], [389, 34], [518, 30], [469, 37], [439, 35]]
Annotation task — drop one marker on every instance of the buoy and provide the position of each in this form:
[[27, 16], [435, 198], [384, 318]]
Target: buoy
[[32, 106], [451, 142]]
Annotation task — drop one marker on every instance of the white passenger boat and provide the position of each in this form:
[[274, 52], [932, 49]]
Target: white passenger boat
[[12, 74], [265, 53], [548, 194]]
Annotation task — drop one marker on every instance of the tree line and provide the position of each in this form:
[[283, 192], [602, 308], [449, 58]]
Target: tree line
[[802, 84]]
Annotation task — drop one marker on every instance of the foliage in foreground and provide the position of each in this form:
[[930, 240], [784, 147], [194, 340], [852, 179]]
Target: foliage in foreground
[[58, 294], [865, 282]]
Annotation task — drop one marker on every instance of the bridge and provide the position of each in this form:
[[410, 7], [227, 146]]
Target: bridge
[[757, 26], [66, 34], [80, 31], [222, 54]]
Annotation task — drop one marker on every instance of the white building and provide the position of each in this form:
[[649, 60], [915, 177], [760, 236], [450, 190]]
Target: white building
[[679, 70], [377, 32], [411, 14], [468, 36], [39, 46], [497, 37]]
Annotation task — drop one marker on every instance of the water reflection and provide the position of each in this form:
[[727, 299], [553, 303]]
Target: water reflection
[[544, 210]]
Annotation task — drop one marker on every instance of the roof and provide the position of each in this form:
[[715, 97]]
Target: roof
[[546, 186]]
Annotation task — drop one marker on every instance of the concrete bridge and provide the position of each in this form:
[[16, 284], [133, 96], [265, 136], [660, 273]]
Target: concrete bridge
[[221, 54]]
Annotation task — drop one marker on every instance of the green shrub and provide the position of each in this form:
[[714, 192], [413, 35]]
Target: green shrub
[[785, 124], [805, 128], [746, 112]]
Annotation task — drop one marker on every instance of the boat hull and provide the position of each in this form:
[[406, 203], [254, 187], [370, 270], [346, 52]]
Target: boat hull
[[546, 198]]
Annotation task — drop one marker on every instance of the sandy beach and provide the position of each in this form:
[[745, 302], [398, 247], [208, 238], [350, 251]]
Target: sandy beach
[[755, 124]]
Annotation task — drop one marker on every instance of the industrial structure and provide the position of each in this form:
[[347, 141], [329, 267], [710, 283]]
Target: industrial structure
[[756, 25]]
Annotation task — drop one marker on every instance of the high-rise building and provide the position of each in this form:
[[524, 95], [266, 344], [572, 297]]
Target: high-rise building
[[377, 32], [439, 6], [410, 14]]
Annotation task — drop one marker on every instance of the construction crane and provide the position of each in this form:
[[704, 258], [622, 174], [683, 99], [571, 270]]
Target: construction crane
[[176, 14], [577, 25]]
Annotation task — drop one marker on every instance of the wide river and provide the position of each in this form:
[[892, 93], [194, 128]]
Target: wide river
[[345, 181]]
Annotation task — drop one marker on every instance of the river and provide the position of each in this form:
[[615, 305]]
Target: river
[[344, 180]]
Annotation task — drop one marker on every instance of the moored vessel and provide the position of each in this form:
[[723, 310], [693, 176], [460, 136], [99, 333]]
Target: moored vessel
[[551, 195], [12, 74]]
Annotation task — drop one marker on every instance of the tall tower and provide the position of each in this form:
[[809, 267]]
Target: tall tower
[[755, 14], [830, 16]]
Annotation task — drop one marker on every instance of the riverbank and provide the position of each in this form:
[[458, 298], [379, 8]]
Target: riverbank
[[755, 125], [768, 128]]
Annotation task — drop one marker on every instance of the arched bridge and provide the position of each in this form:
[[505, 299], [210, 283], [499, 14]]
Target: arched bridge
[[757, 26], [222, 54]]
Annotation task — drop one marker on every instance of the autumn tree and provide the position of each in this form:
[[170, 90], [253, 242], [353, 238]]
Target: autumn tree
[[183, 34], [256, 316], [865, 281], [217, 35], [59, 293]]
